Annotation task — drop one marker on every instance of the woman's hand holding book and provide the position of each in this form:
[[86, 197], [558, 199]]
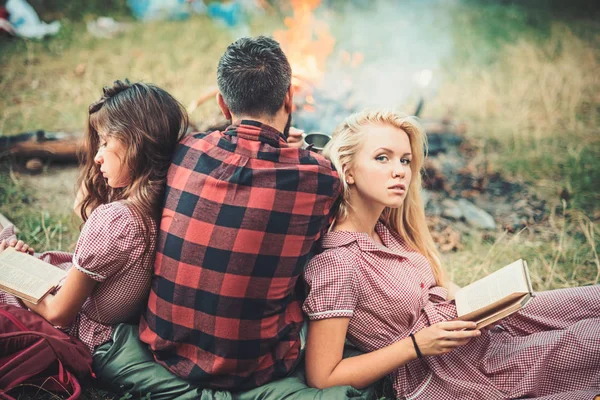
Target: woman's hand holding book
[[19, 245], [443, 337]]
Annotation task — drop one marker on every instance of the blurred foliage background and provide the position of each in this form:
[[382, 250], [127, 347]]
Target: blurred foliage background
[[523, 75]]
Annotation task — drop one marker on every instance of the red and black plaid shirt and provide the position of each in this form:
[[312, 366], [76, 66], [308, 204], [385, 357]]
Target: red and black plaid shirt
[[242, 213]]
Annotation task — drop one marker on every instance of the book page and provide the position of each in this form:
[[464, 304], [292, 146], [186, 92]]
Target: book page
[[499, 285], [26, 274]]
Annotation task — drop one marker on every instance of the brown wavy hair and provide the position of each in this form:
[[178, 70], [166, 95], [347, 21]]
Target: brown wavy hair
[[149, 122]]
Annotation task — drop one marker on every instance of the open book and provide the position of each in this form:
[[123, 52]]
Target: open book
[[27, 277], [496, 296]]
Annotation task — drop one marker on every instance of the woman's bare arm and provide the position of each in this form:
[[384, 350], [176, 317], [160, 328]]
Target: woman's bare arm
[[325, 344], [325, 366], [61, 309]]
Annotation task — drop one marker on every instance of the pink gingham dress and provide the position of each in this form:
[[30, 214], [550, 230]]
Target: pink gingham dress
[[112, 251], [549, 350]]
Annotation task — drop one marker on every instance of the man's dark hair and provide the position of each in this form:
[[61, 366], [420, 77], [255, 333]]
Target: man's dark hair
[[254, 76]]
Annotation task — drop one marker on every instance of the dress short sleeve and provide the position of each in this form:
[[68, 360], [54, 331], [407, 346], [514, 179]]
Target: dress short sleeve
[[106, 241], [333, 285]]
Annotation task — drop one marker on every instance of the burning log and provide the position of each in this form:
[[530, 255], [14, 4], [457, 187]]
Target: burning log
[[36, 147]]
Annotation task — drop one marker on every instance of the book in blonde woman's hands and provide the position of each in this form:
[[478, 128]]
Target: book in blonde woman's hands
[[27, 277], [495, 296]]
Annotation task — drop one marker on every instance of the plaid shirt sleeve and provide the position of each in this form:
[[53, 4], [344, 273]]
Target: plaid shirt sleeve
[[242, 213]]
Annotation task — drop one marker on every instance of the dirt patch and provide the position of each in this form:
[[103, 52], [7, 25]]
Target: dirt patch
[[54, 188]]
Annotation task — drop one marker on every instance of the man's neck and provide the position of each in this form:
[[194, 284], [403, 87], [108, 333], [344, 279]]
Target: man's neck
[[274, 121]]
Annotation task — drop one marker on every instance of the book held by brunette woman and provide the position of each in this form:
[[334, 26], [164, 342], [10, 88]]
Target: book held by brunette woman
[[27, 277], [495, 296]]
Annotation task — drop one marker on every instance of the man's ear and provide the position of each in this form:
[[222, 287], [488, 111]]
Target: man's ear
[[223, 107], [288, 103]]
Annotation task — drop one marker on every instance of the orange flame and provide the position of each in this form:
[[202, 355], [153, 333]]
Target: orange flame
[[306, 42]]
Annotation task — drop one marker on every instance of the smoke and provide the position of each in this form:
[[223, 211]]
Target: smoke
[[402, 44]]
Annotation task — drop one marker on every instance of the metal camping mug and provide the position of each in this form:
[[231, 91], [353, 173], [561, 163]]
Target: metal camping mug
[[318, 140]]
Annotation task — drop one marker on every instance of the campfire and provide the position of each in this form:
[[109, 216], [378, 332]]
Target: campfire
[[306, 42], [461, 194], [458, 189], [309, 46]]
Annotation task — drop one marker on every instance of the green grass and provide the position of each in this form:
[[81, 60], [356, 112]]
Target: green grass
[[49, 84], [525, 82], [526, 86], [75, 11], [563, 254], [40, 229]]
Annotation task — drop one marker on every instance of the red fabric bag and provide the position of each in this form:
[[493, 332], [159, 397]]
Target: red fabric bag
[[5, 25], [34, 352]]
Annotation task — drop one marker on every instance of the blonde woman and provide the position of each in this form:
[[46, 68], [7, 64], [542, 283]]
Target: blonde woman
[[379, 283]]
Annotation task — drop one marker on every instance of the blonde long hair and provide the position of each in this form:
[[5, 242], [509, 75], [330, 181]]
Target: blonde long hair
[[408, 221]]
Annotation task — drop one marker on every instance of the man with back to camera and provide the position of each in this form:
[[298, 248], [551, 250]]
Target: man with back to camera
[[242, 212]]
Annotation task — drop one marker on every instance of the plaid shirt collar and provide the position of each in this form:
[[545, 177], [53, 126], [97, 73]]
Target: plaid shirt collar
[[255, 130]]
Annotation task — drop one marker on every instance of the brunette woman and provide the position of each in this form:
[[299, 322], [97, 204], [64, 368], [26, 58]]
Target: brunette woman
[[131, 135]]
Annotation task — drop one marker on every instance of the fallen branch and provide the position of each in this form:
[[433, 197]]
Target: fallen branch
[[202, 99]]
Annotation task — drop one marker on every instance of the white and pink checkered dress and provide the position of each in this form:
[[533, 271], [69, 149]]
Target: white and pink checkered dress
[[111, 250], [550, 349]]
